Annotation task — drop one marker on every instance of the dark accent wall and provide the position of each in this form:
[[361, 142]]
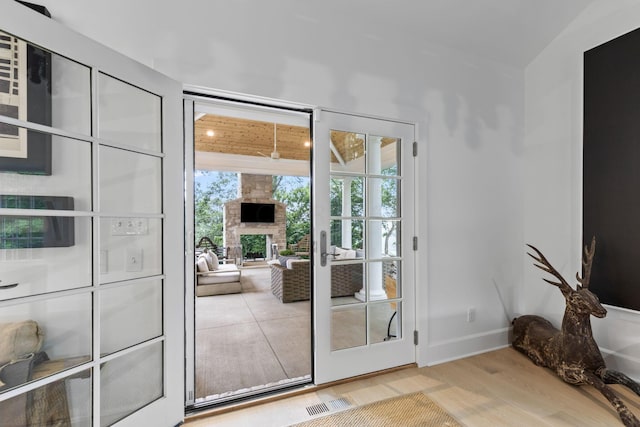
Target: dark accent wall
[[611, 174]]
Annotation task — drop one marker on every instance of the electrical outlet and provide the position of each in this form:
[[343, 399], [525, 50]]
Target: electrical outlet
[[471, 314], [133, 261]]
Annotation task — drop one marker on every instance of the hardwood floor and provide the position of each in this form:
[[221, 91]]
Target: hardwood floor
[[499, 388]]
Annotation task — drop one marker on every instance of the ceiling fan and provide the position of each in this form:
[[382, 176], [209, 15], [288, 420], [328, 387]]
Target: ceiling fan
[[274, 154]]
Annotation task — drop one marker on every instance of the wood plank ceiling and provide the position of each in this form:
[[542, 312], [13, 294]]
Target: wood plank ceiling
[[251, 138], [255, 138]]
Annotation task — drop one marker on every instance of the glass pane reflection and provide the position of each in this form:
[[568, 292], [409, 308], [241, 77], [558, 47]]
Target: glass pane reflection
[[50, 336], [348, 327], [38, 270], [66, 402], [120, 310], [389, 232], [384, 197], [384, 323], [347, 153], [42, 87], [386, 162], [52, 165], [129, 248], [346, 234], [129, 182], [347, 283], [347, 196], [130, 382], [129, 114]]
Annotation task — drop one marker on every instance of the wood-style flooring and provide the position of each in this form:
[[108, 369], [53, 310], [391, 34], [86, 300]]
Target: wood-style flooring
[[499, 388]]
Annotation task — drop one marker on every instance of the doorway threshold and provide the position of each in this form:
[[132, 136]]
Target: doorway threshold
[[231, 401]]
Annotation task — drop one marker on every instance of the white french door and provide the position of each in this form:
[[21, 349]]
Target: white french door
[[88, 253], [363, 208]]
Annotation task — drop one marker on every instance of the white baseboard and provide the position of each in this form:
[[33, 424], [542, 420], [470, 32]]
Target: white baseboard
[[458, 348], [624, 363]]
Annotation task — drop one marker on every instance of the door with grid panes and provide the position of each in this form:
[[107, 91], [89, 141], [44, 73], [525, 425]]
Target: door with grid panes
[[363, 186], [91, 318]]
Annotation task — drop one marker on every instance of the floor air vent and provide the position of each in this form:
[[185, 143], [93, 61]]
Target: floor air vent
[[341, 403], [317, 409]]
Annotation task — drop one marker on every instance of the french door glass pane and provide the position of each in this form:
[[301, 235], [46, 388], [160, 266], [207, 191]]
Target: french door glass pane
[[389, 236], [383, 321], [130, 382], [121, 325], [66, 402], [128, 114], [49, 89], [129, 182], [36, 269], [347, 280], [390, 275], [347, 196], [365, 209], [130, 247], [347, 151], [348, 327], [383, 197], [55, 332], [386, 163], [53, 165], [347, 238]]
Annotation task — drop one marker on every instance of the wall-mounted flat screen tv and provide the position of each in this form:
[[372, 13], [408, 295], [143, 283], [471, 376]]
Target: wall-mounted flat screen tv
[[22, 232], [257, 212]]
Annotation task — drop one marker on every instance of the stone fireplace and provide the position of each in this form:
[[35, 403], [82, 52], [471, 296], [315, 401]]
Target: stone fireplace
[[254, 189]]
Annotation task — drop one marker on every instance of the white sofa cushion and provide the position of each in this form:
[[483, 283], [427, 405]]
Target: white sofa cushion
[[202, 264], [344, 253], [212, 260], [219, 277]]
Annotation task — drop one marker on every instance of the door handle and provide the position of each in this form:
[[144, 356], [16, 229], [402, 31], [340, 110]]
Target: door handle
[[323, 248], [10, 286]]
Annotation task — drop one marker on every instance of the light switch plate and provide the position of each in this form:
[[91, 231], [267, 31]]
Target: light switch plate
[[133, 261], [129, 226]]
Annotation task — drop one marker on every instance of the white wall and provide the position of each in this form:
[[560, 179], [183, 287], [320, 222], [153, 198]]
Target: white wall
[[469, 111], [553, 173]]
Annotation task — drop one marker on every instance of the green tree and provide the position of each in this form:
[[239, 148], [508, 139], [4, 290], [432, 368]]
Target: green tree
[[211, 191], [294, 191], [357, 211]]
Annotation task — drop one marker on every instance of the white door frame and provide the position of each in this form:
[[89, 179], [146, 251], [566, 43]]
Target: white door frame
[[234, 105]]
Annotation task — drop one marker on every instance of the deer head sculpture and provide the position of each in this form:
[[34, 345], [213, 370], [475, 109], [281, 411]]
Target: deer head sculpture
[[571, 352]]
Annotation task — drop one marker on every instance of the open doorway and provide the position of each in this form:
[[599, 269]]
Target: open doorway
[[252, 272]]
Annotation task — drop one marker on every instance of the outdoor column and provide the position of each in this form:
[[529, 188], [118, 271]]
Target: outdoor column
[[374, 228], [346, 211]]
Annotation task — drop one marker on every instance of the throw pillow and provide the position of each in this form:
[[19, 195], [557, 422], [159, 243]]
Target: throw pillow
[[342, 253], [215, 263], [202, 264], [18, 339], [212, 260]]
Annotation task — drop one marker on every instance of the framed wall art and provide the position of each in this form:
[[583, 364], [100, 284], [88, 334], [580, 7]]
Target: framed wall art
[[25, 94]]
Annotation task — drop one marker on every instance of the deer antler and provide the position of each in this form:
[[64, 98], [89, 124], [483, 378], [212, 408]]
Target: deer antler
[[587, 261], [546, 266]]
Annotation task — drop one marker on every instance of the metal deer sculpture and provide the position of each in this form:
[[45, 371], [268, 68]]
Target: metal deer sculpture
[[571, 352]]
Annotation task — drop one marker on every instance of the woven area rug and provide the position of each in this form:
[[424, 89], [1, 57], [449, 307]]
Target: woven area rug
[[414, 409]]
